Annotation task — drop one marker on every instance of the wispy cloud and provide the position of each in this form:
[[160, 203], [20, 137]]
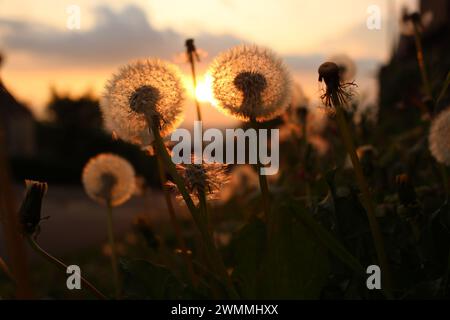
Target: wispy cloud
[[116, 37]]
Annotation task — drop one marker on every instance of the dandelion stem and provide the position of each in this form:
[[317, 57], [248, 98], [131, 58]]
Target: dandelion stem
[[421, 62], [117, 284], [211, 251], [190, 53], [62, 266], [173, 220], [369, 205], [263, 185]]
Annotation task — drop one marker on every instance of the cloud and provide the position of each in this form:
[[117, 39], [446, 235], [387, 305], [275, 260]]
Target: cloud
[[121, 36], [116, 37]]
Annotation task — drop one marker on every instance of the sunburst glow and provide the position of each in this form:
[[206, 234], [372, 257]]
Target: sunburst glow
[[203, 91]]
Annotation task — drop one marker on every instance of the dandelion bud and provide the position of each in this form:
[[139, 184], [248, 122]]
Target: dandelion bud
[[438, 139], [144, 91], [30, 210], [250, 83], [109, 179]]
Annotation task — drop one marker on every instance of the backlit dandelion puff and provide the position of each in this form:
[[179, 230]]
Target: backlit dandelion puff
[[142, 91], [439, 137], [109, 179], [250, 82], [207, 179]]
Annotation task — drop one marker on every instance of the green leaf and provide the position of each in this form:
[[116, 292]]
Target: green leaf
[[328, 240], [146, 280]]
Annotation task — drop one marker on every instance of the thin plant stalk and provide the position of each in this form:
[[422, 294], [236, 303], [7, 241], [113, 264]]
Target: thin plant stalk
[[173, 220], [191, 52], [112, 244], [203, 206], [212, 253], [11, 230], [63, 267], [421, 61], [263, 184], [367, 199]]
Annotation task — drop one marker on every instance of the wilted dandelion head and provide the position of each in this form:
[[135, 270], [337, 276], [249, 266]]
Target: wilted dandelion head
[[337, 91], [146, 90], [250, 82], [109, 179], [347, 67], [207, 178], [439, 137]]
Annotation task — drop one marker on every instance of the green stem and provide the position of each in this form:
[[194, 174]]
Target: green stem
[[63, 267], [263, 185], [194, 81], [212, 253], [112, 244], [367, 199], [173, 220], [421, 62]]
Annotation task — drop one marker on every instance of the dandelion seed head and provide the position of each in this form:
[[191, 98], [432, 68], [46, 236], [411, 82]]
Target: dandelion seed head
[[250, 82], [337, 91], [329, 73], [439, 137], [139, 91], [347, 67], [207, 178], [109, 179]]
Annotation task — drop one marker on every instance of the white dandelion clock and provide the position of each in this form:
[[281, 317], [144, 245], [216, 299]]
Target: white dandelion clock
[[109, 179], [141, 92], [439, 137], [250, 83]]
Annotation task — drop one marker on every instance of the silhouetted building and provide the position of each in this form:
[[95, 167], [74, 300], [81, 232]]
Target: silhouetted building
[[18, 123]]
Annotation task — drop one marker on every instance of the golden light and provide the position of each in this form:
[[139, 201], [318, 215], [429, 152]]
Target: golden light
[[204, 89]]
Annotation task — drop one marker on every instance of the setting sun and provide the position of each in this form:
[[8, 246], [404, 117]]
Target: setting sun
[[203, 91]]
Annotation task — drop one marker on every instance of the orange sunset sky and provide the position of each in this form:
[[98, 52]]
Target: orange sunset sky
[[41, 52]]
